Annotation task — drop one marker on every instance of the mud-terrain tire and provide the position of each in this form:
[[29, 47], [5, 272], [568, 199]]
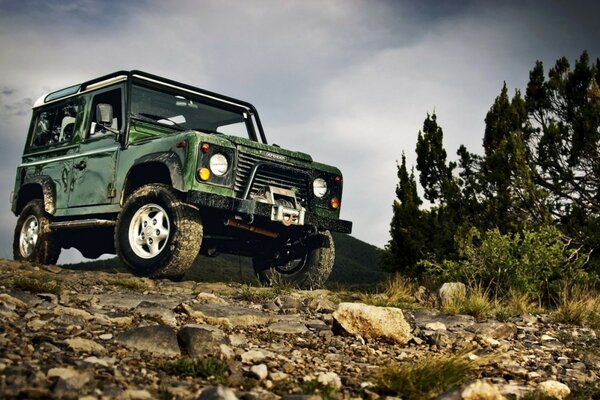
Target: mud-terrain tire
[[310, 272], [157, 235], [34, 239]]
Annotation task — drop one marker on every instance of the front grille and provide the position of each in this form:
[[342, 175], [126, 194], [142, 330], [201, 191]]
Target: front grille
[[270, 174]]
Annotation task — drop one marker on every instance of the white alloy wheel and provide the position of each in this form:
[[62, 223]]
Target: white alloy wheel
[[149, 231], [30, 232]]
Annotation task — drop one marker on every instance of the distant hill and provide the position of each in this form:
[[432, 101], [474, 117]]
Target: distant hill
[[356, 263]]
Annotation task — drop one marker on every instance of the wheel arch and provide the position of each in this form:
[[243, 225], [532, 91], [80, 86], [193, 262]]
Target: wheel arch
[[164, 167], [36, 187]]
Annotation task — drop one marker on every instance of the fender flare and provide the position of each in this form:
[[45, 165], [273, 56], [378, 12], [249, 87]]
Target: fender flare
[[166, 158], [48, 192]]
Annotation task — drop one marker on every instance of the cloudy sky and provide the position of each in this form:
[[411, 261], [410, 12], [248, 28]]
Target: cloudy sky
[[349, 82]]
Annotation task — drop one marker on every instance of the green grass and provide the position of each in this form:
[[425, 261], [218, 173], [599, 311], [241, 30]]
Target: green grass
[[196, 367], [258, 295], [38, 283], [427, 378]]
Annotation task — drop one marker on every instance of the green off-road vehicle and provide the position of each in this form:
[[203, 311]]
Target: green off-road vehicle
[[157, 172]]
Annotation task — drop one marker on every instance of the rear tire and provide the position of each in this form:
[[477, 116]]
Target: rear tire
[[309, 272], [158, 235], [34, 239]]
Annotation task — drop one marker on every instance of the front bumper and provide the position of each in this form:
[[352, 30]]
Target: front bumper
[[252, 208]]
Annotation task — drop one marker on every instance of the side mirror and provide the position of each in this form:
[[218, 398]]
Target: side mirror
[[104, 114]]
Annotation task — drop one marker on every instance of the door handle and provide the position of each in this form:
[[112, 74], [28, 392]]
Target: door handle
[[80, 165]]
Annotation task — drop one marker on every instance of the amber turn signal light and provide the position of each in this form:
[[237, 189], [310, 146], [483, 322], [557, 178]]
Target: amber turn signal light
[[204, 174], [335, 203]]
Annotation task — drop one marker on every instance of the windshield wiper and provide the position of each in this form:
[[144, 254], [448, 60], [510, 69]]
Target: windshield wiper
[[157, 119]]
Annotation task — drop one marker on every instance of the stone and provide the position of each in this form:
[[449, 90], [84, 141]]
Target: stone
[[330, 379], [288, 328], [554, 389], [156, 311], [259, 371], [71, 378], [6, 298], [451, 292], [231, 316], [155, 339], [289, 303], [217, 393], [278, 376], [322, 305], [205, 298], [481, 390], [135, 394], [85, 346], [424, 296], [548, 338], [435, 326], [372, 322], [254, 356], [494, 330], [201, 342]]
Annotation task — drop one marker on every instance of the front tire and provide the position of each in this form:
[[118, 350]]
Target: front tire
[[34, 239], [158, 235], [311, 271]]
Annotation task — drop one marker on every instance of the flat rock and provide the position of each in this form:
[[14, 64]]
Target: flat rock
[[85, 346], [219, 314], [156, 311], [201, 342], [128, 300], [288, 328], [493, 329], [372, 322], [217, 393], [424, 317], [155, 339]]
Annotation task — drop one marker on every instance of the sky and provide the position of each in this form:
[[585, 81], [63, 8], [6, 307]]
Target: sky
[[349, 82]]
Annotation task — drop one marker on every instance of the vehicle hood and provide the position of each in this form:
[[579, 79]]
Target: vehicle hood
[[270, 151]]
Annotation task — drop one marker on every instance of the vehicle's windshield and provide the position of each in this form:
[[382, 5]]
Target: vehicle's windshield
[[184, 111]]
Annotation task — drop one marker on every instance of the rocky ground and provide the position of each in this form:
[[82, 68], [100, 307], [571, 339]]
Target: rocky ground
[[96, 335]]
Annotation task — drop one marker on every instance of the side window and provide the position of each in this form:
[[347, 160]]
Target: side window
[[55, 124], [112, 97]]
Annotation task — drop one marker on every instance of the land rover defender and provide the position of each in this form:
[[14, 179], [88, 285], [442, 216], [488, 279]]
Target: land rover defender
[[157, 172]]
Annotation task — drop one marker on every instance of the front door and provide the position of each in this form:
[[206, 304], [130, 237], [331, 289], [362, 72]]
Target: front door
[[94, 170]]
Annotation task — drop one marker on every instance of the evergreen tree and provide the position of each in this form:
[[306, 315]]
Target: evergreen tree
[[540, 165], [407, 243]]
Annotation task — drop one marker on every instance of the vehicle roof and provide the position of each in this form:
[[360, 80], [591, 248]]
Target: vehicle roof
[[120, 76]]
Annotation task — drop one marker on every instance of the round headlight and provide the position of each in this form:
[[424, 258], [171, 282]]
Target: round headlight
[[218, 164], [319, 187]]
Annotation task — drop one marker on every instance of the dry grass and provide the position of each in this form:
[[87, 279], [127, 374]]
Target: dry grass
[[396, 291], [578, 306], [427, 378]]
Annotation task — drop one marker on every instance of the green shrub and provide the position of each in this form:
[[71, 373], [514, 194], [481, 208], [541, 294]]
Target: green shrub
[[196, 367], [533, 263]]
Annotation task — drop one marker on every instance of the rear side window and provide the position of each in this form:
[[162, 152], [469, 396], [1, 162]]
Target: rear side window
[[55, 125]]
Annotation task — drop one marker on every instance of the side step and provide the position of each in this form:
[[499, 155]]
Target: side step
[[83, 223]]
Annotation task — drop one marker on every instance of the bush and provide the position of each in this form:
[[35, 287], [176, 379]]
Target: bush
[[532, 262]]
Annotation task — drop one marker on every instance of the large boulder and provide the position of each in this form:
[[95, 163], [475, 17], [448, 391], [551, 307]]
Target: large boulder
[[372, 322]]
